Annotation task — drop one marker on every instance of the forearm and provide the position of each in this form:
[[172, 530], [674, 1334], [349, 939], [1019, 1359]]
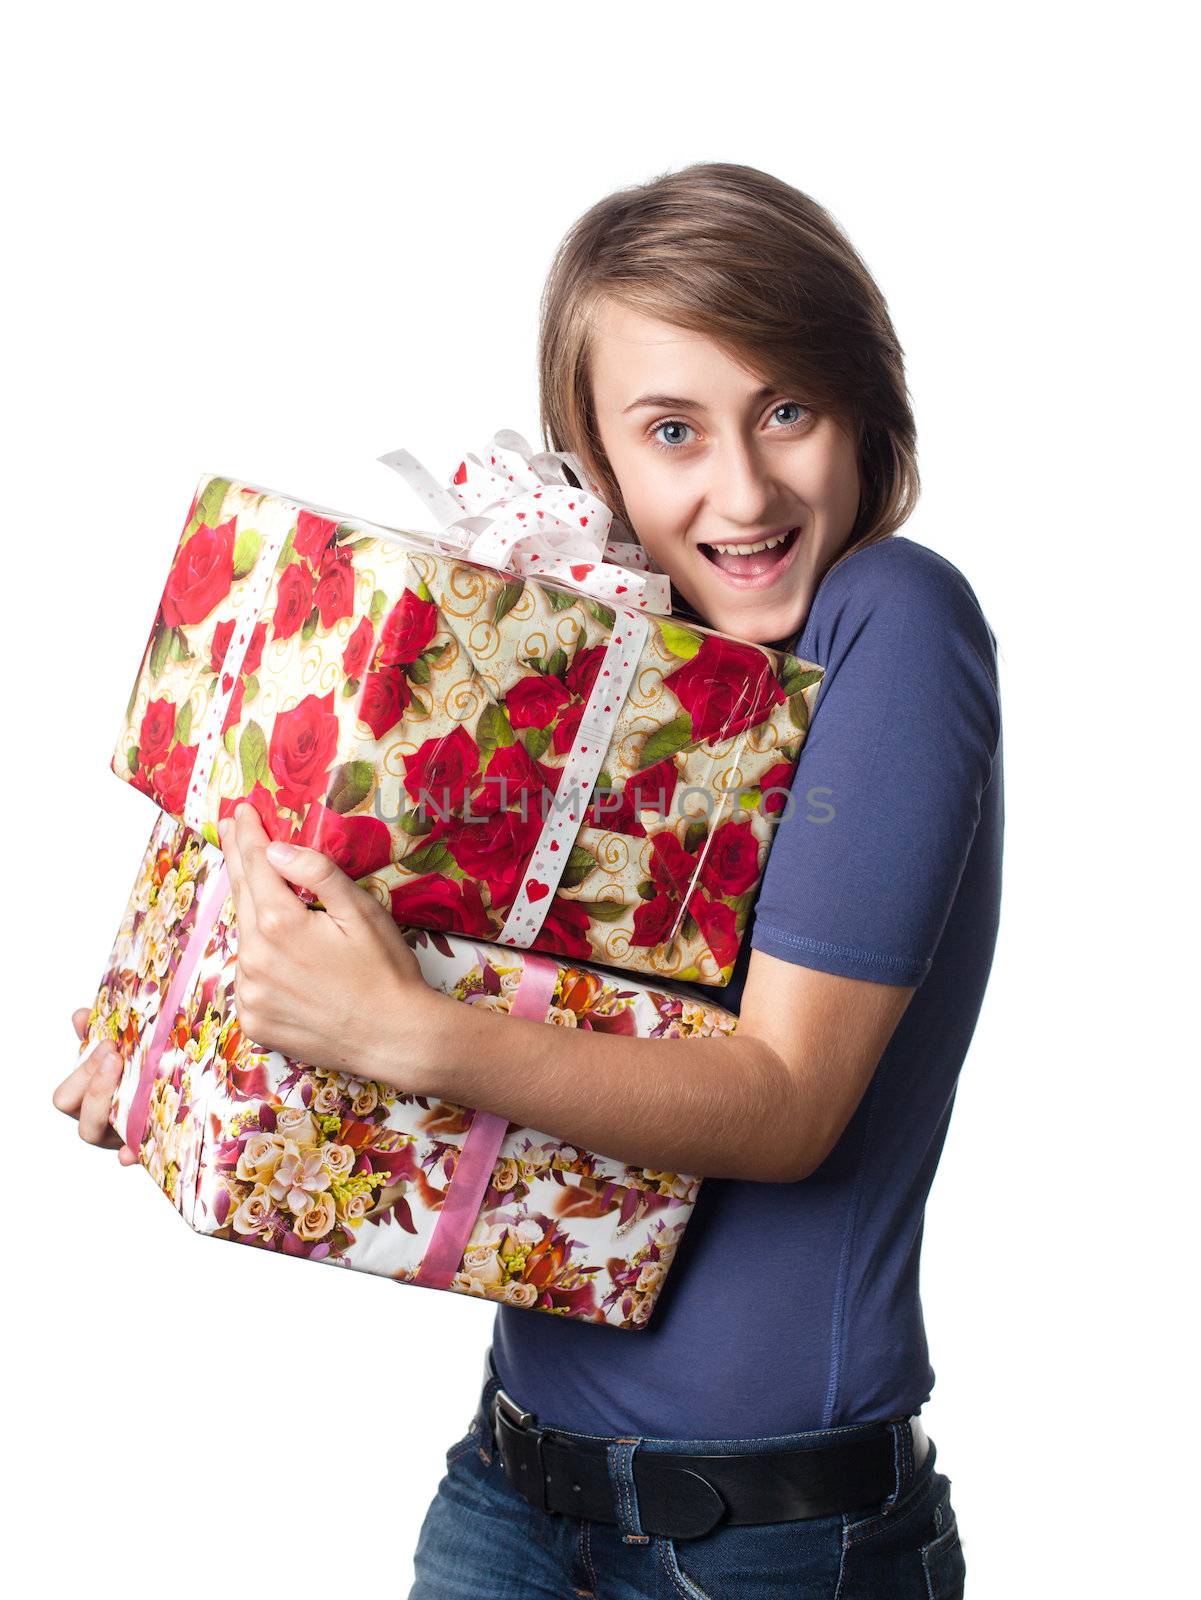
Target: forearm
[[713, 1107]]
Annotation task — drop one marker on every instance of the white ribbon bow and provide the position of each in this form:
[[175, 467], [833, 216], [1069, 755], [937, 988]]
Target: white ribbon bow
[[518, 512]]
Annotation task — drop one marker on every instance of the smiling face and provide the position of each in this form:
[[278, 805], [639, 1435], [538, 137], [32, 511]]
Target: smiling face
[[740, 493]]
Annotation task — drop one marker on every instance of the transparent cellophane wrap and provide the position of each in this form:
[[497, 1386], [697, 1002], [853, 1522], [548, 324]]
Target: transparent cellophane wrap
[[258, 1148], [378, 670]]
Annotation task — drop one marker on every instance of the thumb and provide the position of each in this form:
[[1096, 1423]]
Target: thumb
[[310, 869]]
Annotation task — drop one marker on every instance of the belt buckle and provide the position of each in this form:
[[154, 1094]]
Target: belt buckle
[[523, 1464], [515, 1414]]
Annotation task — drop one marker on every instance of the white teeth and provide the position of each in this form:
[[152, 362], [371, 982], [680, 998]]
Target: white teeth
[[750, 549]]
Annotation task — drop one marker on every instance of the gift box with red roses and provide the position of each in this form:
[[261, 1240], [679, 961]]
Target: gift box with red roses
[[497, 730], [258, 1148]]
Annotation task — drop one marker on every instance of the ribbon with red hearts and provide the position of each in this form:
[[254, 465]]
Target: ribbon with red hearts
[[518, 512], [568, 805]]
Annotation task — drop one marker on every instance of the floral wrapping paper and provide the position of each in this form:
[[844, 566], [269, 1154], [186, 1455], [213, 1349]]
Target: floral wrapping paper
[[258, 1148], [410, 715]]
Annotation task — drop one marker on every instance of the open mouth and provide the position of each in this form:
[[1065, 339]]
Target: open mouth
[[756, 562]]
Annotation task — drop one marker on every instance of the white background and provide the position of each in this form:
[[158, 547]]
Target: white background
[[275, 241]]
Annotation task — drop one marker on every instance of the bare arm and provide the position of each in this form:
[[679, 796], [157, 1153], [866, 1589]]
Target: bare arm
[[768, 1103], [344, 990]]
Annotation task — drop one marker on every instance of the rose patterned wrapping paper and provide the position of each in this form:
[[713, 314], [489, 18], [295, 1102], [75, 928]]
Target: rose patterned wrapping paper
[[419, 717], [258, 1148]]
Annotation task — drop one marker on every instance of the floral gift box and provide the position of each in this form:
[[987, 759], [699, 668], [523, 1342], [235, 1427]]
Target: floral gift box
[[508, 758], [258, 1148]]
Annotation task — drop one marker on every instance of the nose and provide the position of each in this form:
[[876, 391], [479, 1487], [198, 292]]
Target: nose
[[742, 491]]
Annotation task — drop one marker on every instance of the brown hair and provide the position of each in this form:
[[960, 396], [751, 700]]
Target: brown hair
[[754, 264]]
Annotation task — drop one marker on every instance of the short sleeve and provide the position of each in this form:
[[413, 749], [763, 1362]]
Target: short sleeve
[[887, 793]]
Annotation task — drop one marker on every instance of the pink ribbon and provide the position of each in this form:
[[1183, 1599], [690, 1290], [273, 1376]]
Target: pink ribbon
[[211, 901], [477, 1159]]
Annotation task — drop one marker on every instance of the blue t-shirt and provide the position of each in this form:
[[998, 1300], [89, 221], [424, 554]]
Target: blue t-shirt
[[793, 1306]]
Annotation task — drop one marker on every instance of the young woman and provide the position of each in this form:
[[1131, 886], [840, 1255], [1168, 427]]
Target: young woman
[[717, 354]]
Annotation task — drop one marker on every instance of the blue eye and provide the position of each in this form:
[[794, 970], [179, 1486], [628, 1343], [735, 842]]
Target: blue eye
[[670, 446], [662, 444]]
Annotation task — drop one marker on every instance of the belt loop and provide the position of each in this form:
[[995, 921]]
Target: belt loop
[[488, 1394], [903, 1463], [625, 1494]]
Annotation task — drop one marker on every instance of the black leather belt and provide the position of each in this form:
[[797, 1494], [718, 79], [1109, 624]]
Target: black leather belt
[[684, 1496]]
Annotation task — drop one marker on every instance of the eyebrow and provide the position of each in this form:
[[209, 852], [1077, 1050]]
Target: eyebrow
[[673, 402]]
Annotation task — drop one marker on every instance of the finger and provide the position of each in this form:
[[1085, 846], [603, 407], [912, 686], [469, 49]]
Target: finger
[[79, 1020], [97, 1100], [273, 900], [68, 1096], [243, 899], [342, 897], [127, 1157]]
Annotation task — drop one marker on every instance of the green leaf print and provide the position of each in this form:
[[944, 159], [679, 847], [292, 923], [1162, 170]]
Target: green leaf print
[[429, 858], [183, 722], [492, 731], [208, 508], [246, 551], [665, 741], [288, 551], [798, 710], [559, 599], [507, 598], [603, 614], [376, 609], [680, 641], [603, 910], [252, 754], [349, 786], [536, 741], [579, 864], [164, 638]]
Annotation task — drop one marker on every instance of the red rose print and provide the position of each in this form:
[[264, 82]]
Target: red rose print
[[303, 744], [780, 779], [585, 665], [672, 867], [384, 700], [726, 688], [450, 906], [359, 844], [655, 920], [510, 773], [334, 595], [274, 826], [533, 701], [565, 930], [716, 922], [169, 783], [222, 634], [293, 600], [156, 733], [252, 660], [408, 629], [313, 536], [563, 737], [201, 577], [494, 849], [613, 810], [358, 648], [653, 788], [444, 770], [731, 863]]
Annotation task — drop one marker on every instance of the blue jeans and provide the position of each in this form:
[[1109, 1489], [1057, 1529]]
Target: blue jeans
[[481, 1541]]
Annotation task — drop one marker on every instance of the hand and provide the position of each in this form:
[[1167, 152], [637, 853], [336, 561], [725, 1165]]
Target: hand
[[87, 1093], [337, 988]]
